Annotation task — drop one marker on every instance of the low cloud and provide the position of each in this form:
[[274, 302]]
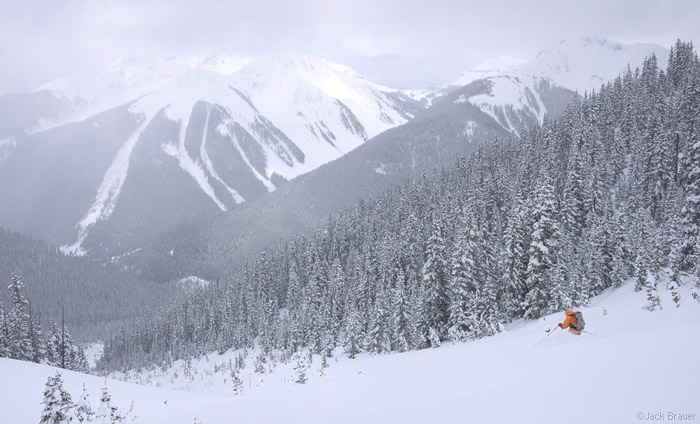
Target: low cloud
[[395, 42]]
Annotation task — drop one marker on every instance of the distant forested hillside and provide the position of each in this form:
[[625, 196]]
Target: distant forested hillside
[[93, 295]]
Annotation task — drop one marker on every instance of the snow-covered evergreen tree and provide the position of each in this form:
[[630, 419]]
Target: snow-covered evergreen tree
[[353, 326], [435, 283], [4, 332], [108, 413], [650, 284], [301, 368], [58, 405], [543, 252], [18, 322], [83, 409], [690, 214], [464, 287], [236, 381]]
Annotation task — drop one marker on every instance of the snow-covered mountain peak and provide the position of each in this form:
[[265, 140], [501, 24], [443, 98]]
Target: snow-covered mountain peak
[[581, 64], [296, 82], [223, 63], [337, 81], [584, 64], [130, 77], [572, 44], [489, 68], [129, 73], [179, 96]]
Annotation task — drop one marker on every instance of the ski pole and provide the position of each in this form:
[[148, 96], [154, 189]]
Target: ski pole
[[548, 334], [588, 332]]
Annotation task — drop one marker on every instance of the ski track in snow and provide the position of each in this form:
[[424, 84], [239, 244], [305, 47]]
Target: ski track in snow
[[210, 166], [107, 193]]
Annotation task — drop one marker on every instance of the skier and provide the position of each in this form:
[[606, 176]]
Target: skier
[[574, 322]]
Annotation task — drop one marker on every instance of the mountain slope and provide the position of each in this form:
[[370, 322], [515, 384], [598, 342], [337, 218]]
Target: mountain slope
[[435, 137], [93, 296], [176, 141], [206, 141], [511, 91], [581, 64], [616, 374], [584, 64]]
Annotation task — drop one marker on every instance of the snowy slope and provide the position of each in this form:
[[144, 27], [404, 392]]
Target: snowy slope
[[127, 79], [513, 99], [326, 108], [637, 362]]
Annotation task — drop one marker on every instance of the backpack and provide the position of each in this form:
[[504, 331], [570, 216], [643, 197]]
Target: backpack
[[579, 323]]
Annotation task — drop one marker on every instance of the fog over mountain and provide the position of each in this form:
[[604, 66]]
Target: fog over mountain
[[404, 44]]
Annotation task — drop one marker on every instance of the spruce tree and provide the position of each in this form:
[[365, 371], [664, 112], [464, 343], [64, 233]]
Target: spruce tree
[[4, 331], [83, 410], [653, 299], [236, 381], [18, 322], [401, 317], [58, 405], [690, 214], [107, 413], [543, 253], [300, 368], [353, 326], [463, 286], [513, 281], [53, 345], [435, 283]]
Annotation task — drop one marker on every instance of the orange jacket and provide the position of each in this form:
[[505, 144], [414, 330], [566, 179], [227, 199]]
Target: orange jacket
[[569, 321]]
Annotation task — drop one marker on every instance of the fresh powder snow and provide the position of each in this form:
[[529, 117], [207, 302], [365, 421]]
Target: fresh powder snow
[[634, 362]]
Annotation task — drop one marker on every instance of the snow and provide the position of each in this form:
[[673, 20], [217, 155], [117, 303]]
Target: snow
[[580, 64], [517, 90], [210, 166], [423, 95], [129, 78], [179, 97], [106, 198], [193, 168], [192, 281], [584, 64], [469, 128], [283, 101], [266, 182], [93, 353], [638, 362], [300, 95], [7, 145], [490, 68], [381, 169]]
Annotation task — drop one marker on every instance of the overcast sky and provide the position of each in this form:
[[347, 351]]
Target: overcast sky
[[400, 43]]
